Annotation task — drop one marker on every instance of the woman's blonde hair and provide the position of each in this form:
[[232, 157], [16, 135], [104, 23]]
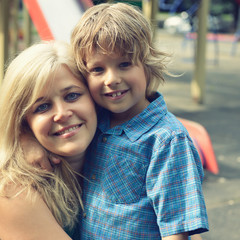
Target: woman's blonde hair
[[122, 29], [25, 77]]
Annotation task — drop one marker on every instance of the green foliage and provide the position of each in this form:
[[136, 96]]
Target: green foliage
[[219, 7]]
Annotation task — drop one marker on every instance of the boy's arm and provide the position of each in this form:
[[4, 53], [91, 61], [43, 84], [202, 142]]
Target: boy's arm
[[35, 154], [181, 236], [179, 179], [196, 237]]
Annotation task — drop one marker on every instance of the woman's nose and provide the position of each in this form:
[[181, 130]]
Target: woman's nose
[[62, 113], [112, 78]]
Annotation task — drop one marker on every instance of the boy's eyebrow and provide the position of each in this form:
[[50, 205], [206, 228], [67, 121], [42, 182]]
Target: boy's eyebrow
[[92, 63]]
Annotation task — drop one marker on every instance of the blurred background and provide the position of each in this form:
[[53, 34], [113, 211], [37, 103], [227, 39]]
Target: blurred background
[[203, 38]]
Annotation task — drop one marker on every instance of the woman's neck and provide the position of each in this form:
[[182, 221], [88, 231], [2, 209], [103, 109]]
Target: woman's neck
[[76, 162]]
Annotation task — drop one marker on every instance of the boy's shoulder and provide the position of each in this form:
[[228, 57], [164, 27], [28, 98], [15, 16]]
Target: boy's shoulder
[[169, 124], [167, 121]]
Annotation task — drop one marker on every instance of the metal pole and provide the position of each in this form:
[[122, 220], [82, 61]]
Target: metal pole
[[15, 28], [4, 16], [198, 81], [27, 27], [150, 8]]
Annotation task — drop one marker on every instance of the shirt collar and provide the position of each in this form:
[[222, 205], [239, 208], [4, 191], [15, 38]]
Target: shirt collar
[[138, 125]]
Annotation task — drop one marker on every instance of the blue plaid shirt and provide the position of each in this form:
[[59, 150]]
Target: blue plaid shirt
[[143, 179]]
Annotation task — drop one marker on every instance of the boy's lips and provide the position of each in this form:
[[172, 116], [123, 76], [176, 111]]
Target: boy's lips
[[67, 129], [115, 94]]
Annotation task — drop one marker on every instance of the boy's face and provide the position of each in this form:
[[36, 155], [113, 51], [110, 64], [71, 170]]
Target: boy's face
[[117, 84]]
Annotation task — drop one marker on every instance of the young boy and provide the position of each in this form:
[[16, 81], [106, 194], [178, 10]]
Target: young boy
[[143, 174]]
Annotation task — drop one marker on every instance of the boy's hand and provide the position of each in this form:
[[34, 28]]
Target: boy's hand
[[35, 154]]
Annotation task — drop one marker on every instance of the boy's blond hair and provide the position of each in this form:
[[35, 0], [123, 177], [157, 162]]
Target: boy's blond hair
[[122, 29]]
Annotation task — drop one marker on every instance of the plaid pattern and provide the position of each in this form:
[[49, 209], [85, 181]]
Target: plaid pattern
[[144, 179]]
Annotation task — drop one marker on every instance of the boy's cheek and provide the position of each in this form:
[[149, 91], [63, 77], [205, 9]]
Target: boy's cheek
[[94, 90]]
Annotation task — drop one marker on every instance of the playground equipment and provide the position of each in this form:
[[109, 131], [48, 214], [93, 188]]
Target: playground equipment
[[203, 144], [182, 23], [55, 19], [186, 23], [237, 33], [173, 7]]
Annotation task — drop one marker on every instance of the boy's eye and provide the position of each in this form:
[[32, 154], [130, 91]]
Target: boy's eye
[[125, 64], [97, 70], [42, 108], [70, 97]]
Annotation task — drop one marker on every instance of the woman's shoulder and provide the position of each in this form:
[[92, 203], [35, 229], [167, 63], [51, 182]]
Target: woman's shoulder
[[24, 215], [15, 209]]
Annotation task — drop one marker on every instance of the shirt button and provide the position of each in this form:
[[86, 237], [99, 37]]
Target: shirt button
[[93, 177], [84, 215], [104, 139]]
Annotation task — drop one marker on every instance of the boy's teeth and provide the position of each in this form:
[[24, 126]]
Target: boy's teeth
[[116, 94]]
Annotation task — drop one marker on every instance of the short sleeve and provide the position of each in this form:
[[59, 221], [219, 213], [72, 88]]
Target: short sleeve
[[174, 181]]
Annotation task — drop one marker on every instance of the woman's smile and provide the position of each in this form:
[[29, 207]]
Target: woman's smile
[[63, 118], [68, 131]]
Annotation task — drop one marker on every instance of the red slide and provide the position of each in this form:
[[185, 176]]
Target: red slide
[[203, 144], [55, 19]]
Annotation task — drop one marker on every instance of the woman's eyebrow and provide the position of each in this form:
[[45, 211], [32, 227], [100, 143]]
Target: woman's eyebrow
[[63, 90], [39, 100], [70, 87]]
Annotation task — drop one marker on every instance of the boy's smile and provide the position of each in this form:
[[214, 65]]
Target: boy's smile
[[117, 94], [117, 84]]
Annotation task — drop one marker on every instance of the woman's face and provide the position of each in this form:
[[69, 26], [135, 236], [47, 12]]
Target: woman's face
[[63, 118]]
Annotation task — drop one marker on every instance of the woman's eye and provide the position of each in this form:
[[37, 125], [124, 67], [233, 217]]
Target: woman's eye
[[125, 64], [72, 96], [42, 108]]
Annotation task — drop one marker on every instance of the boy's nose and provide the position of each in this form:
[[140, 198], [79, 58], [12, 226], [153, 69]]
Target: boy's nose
[[112, 78]]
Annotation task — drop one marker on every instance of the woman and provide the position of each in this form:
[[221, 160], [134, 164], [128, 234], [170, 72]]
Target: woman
[[43, 93]]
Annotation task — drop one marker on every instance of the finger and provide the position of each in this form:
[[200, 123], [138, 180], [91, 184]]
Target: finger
[[55, 160], [46, 165]]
